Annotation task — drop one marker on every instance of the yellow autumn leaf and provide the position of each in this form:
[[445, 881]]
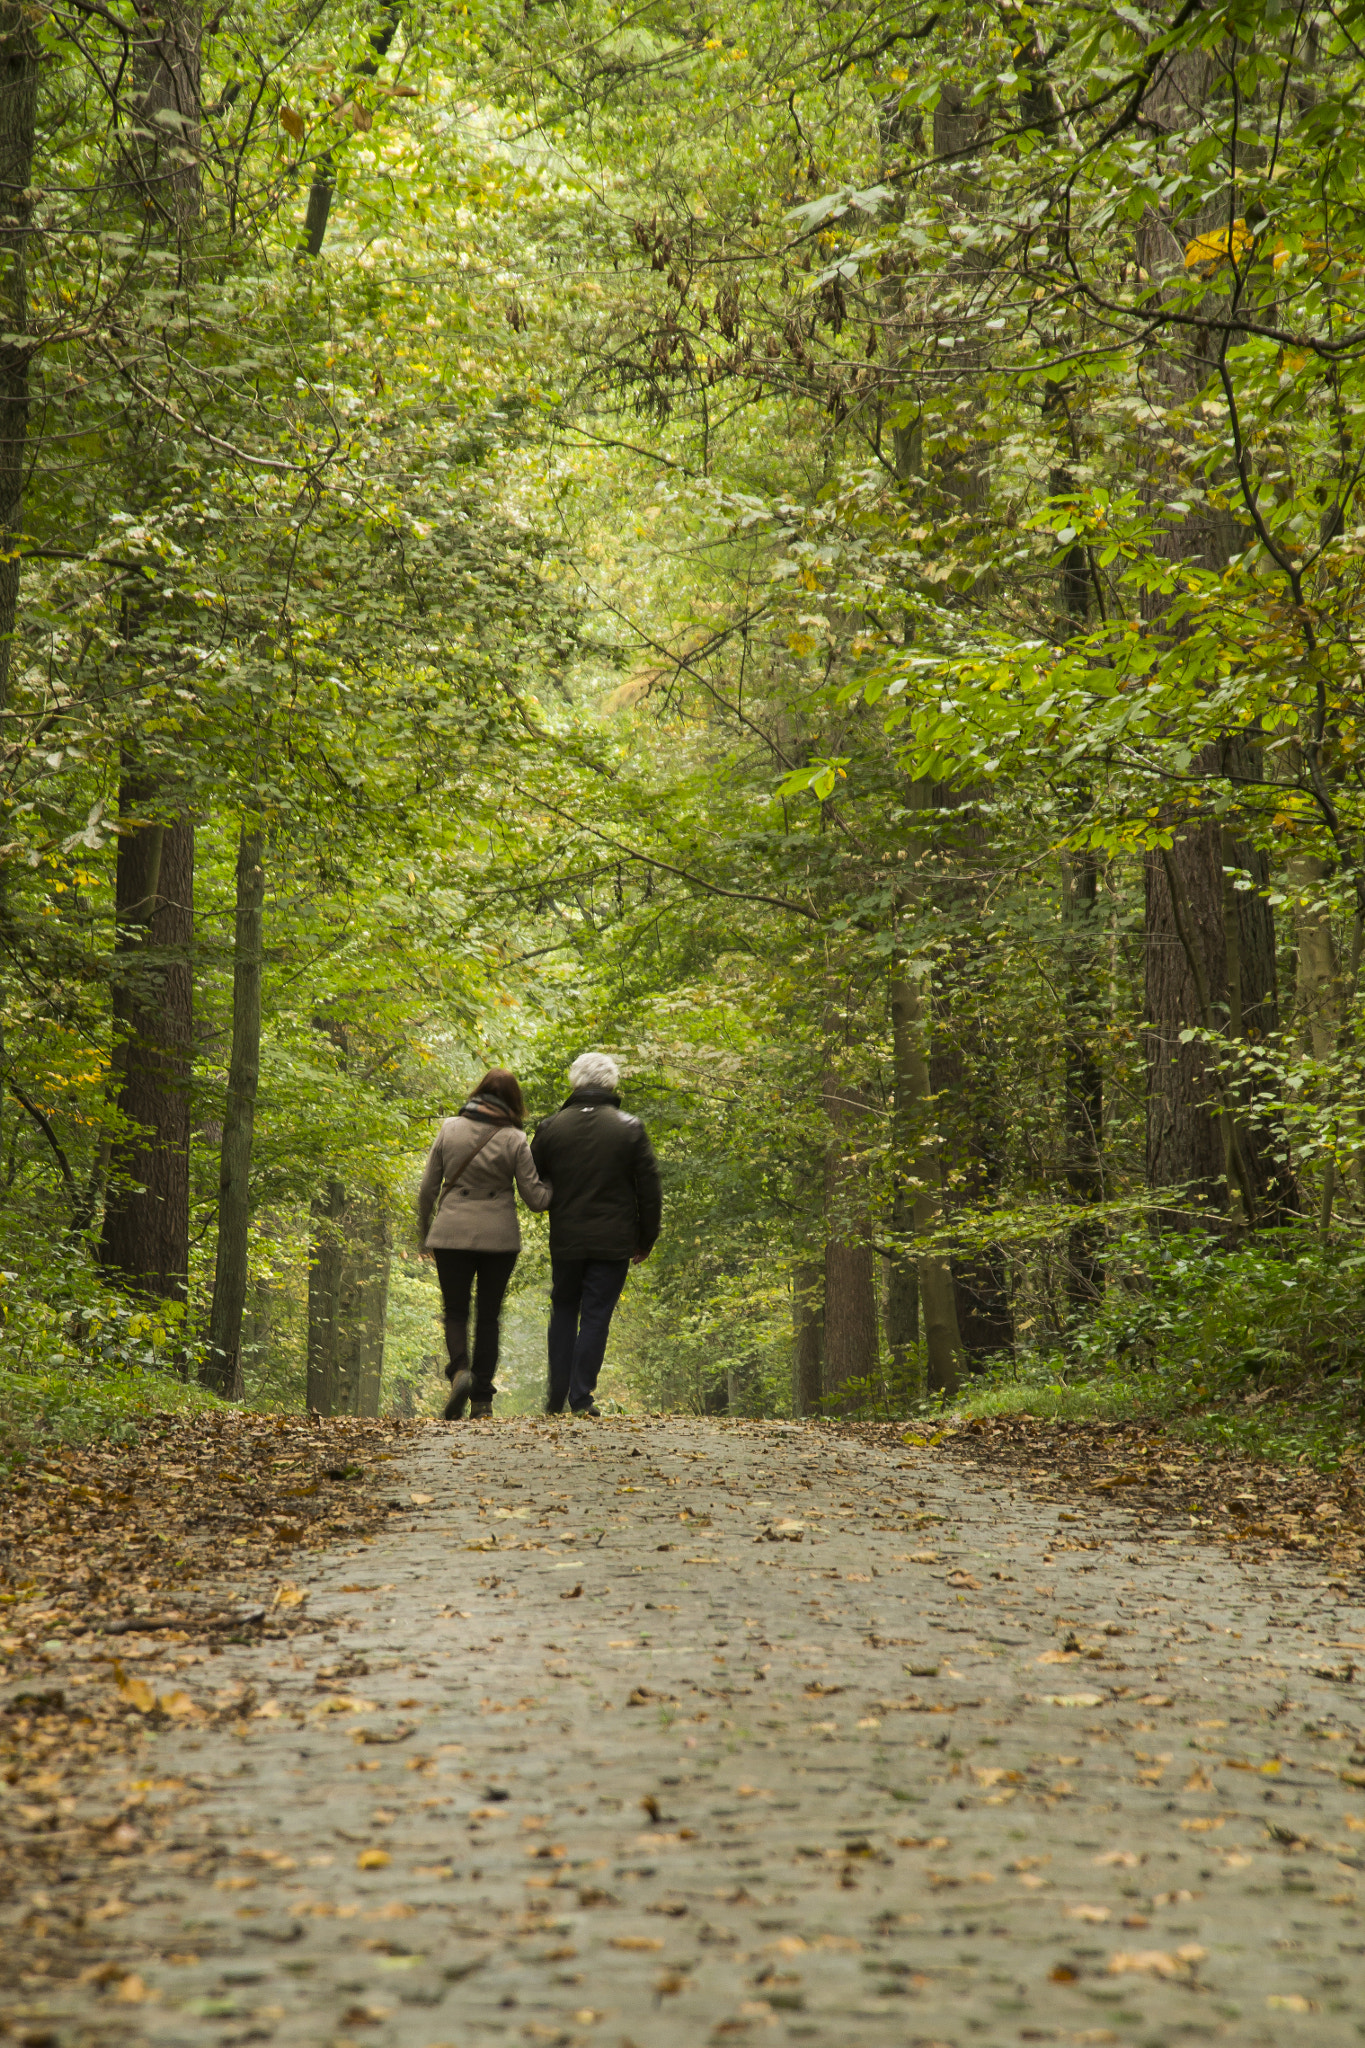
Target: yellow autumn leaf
[[176, 1703], [373, 1859], [291, 123], [138, 1694]]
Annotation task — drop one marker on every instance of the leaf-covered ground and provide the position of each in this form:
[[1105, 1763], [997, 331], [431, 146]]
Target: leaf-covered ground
[[1268, 1510], [676, 1733], [154, 1556]]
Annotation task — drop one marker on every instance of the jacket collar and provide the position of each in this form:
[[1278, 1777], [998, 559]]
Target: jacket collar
[[594, 1095]]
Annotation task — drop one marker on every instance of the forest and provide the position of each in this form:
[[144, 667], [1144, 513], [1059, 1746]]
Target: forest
[[814, 546]]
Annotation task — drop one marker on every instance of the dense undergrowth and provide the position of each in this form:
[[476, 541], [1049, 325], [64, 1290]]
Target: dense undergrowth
[[1258, 1349]]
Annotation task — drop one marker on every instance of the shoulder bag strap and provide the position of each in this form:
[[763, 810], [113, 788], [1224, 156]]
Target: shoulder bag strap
[[484, 1137]]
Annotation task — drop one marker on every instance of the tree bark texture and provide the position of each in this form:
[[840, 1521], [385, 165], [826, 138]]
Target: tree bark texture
[[919, 1172], [1318, 991], [1211, 944], [1084, 1105], [808, 1290], [19, 58], [145, 1238], [223, 1365], [165, 139], [850, 1318], [348, 1284]]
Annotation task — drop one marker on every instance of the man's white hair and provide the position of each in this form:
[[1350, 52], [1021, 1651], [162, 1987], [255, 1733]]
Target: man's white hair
[[594, 1070]]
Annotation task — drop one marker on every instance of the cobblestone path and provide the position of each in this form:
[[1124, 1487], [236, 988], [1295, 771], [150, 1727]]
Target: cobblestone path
[[643, 1734]]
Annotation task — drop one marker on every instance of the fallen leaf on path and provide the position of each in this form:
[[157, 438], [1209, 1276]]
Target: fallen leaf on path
[[1072, 1699], [1290, 2001], [421, 1500], [1157, 1962], [574, 1592], [635, 1941], [136, 1691], [373, 1859], [1096, 1915], [966, 1580]]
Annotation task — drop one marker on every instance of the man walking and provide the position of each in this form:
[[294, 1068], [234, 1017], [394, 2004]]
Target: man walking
[[604, 1219]]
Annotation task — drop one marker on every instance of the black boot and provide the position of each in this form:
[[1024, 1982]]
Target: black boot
[[460, 1384]]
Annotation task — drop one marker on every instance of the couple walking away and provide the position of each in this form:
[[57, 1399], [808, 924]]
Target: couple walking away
[[594, 1169]]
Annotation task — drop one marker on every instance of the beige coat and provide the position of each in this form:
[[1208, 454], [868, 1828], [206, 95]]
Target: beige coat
[[478, 1213]]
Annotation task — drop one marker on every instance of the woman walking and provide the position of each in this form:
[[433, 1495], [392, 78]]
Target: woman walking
[[475, 1234]]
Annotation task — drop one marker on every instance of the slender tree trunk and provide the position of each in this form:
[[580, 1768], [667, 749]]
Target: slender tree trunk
[[1318, 981], [223, 1366], [19, 60], [323, 188], [348, 1284], [1084, 1081], [145, 1239], [907, 1161], [920, 1175], [850, 1273], [808, 1298], [324, 1298]]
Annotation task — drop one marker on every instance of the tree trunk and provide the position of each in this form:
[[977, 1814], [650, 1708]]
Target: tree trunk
[[919, 1171], [145, 1239], [850, 1333], [324, 1296], [1318, 990], [1184, 1145], [808, 1335], [1084, 1080], [348, 1284], [223, 1366], [19, 59], [323, 188]]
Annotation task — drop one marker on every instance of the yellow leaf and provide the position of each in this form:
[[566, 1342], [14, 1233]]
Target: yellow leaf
[[138, 1694], [291, 123], [634, 1941], [1217, 247], [373, 1859], [132, 1991], [421, 1500], [176, 1703], [288, 1596]]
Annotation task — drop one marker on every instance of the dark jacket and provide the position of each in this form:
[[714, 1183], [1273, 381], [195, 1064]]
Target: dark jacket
[[607, 1200]]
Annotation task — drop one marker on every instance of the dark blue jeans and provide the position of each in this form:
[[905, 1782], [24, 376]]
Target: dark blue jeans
[[583, 1293]]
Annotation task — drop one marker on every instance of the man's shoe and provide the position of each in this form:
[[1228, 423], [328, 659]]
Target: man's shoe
[[592, 1413], [480, 1411], [459, 1394]]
